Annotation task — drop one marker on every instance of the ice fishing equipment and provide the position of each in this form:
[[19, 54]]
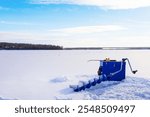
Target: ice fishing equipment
[[109, 70]]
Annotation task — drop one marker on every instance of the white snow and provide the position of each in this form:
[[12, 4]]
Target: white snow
[[59, 79], [48, 74]]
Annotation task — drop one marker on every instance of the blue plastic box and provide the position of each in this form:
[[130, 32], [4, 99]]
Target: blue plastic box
[[112, 69]]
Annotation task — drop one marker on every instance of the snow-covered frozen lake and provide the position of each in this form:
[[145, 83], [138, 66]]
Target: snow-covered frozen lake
[[48, 74]]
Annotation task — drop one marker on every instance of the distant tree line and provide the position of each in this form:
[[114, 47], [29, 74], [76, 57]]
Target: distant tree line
[[83, 48], [24, 46]]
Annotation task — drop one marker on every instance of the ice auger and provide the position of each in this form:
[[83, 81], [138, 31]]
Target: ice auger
[[109, 70]]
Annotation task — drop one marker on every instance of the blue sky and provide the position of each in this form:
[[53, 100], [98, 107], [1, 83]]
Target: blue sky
[[76, 23]]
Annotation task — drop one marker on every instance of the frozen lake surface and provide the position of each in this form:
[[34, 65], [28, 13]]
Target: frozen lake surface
[[48, 74]]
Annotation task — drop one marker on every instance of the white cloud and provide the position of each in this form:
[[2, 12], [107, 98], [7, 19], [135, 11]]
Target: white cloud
[[3, 8], [58, 33], [58, 36], [88, 29], [109, 4], [105, 39], [15, 23], [14, 35]]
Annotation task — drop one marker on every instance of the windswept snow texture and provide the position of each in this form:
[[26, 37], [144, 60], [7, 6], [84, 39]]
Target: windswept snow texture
[[129, 89], [59, 80], [47, 75], [6, 99]]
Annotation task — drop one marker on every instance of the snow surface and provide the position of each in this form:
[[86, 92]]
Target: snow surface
[[59, 79], [48, 74]]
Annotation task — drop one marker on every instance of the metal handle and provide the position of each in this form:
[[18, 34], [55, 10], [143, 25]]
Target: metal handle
[[133, 71]]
